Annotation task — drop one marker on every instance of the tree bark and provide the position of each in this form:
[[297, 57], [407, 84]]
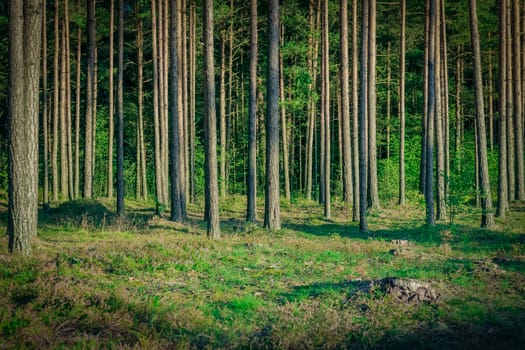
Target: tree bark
[[355, 115], [77, 116], [511, 160], [192, 70], [251, 211], [345, 105], [210, 126], [120, 107], [175, 164], [517, 100], [88, 138], [56, 104], [502, 150], [25, 37], [45, 129], [438, 119], [272, 218], [363, 119], [222, 120], [142, 183], [284, 133], [372, 107], [424, 120], [402, 106], [326, 110], [487, 216], [111, 122], [431, 104]]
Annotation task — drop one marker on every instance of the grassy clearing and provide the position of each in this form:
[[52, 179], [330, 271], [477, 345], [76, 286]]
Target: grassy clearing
[[144, 282]]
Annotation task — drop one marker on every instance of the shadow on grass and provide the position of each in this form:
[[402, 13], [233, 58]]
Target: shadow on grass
[[314, 290], [463, 237], [91, 214]]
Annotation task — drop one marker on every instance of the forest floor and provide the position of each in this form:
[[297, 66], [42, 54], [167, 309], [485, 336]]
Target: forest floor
[[95, 281]]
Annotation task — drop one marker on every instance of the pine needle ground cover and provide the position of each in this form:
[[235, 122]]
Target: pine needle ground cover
[[144, 282]]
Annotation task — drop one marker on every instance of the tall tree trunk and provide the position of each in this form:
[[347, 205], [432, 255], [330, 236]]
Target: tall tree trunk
[[222, 120], [88, 139], [517, 100], [272, 218], [142, 183], [284, 132], [210, 126], [45, 124], [111, 122], [511, 160], [69, 123], [191, 77], [160, 203], [402, 40], [24, 77], [491, 101], [502, 151], [487, 216], [439, 135], [388, 97], [77, 115], [459, 67], [120, 107], [175, 164], [424, 120], [444, 93], [355, 115], [326, 109], [345, 106], [431, 105], [372, 106], [56, 104], [251, 211], [363, 120], [183, 117], [63, 111]]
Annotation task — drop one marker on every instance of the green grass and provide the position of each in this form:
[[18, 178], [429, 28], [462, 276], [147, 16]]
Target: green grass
[[95, 281]]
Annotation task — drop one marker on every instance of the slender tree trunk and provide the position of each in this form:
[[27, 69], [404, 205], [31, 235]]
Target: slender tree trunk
[[517, 100], [511, 160], [25, 26], [345, 106], [363, 120], [491, 101], [69, 123], [175, 161], [95, 103], [142, 185], [326, 109], [487, 216], [284, 133], [183, 117], [388, 97], [424, 120], [120, 107], [111, 122], [77, 115], [502, 151], [439, 134], [210, 126], [402, 106], [192, 70], [222, 120], [63, 111], [355, 115], [251, 212], [88, 139], [272, 218], [372, 106], [45, 130], [444, 93], [431, 104], [54, 151], [459, 67]]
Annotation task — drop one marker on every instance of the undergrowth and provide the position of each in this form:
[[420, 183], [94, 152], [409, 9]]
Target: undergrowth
[[96, 281]]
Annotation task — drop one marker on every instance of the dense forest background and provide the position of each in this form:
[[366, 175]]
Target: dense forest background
[[232, 64]]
